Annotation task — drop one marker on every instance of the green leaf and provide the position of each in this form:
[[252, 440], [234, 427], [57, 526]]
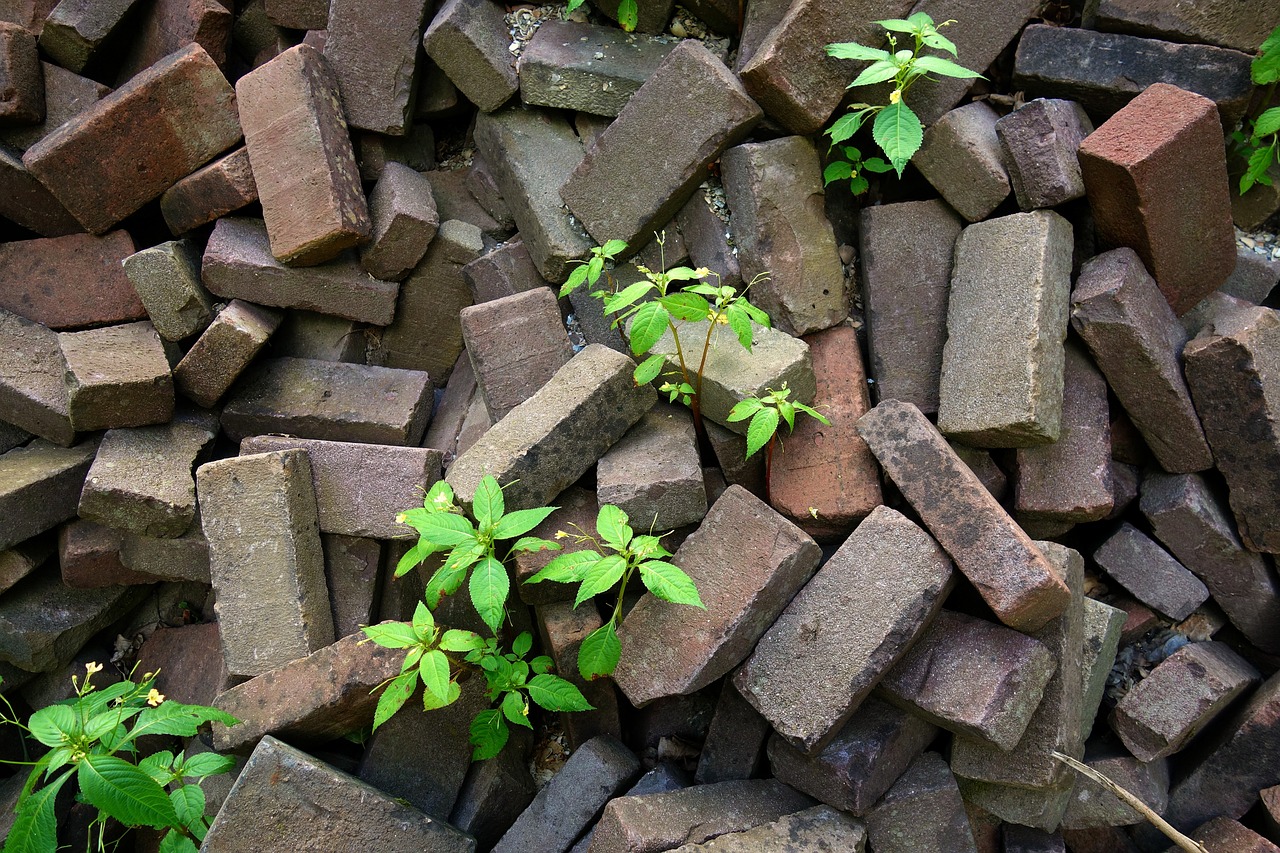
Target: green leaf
[[847, 125], [521, 521], [414, 557], [837, 170], [1265, 69], [648, 546], [515, 709], [434, 671], [489, 587], [599, 653], [762, 427], [611, 524], [647, 326], [740, 322], [744, 409], [628, 15], [648, 370], [945, 67], [1259, 162], [875, 164], [457, 640], [489, 734], [188, 801], [683, 274], [175, 718], [173, 842], [595, 266], [567, 568], [898, 25], [602, 576], [555, 694], [424, 624], [534, 543], [439, 497], [576, 278], [487, 504], [522, 644], [105, 722], [876, 72], [125, 792], [1267, 123], [670, 583], [35, 829], [159, 766], [445, 529], [858, 185], [432, 702], [853, 50], [940, 42], [813, 413], [397, 692], [685, 306], [53, 725], [206, 764], [626, 296], [898, 132], [392, 635], [757, 315], [613, 247]]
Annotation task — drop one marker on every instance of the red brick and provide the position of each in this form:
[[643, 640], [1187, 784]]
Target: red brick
[[24, 200], [222, 187], [1136, 168], [169, 25], [372, 46], [134, 144], [89, 555], [187, 661], [1224, 835], [563, 628], [70, 282], [21, 80]]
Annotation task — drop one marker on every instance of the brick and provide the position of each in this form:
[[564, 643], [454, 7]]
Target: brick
[[495, 793], [480, 182], [532, 154], [1270, 798], [576, 506], [653, 473], [23, 102], [1020, 585], [1093, 805], [964, 143], [298, 14], [972, 677], [259, 515], [451, 410], [659, 181], [826, 651], [1070, 480], [117, 376], [505, 270], [1150, 574], [516, 344], [66, 95], [141, 479], [224, 186], [187, 661], [12, 436], [303, 162], [455, 201], [185, 558], [468, 39], [664, 778], [126, 149], [735, 743], [360, 487], [1102, 627], [654, 822], [21, 560], [861, 762], [550, 440], [167, 279], [373, 51], [170, 25], [1104, 71], [69, 282], [1219, 23], [1025, 839], [905, 253], [89, 556], [707, 238], [587, 68], [427, 333], [27, 202], [1136, 340], [922, 811], [223, 352], [1011, 284], [323, 337], [790, 74], [1254, 277], [33, 391], [1256, 206], [404, 223], [816, 829], [44, 622], [1231, 836], [573, 797], [1228, 369], [1108, 839], [671, 652], [74, 33], [1039, 141], [562, 628], [258, 811], [351, 566], [332, 401], [1193, 522]]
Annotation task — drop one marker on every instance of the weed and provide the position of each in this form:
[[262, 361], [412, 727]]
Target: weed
[[1258, 140], [765, 413], [628, 13]]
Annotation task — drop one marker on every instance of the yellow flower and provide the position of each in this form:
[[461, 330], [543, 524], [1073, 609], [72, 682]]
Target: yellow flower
[[895, 96], [92, 666], [154, 698], [561, 534]]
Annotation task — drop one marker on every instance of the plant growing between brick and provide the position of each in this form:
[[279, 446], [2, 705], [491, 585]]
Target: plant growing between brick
[[765, 413], [628, 13], [93, 736], [1258, 139]]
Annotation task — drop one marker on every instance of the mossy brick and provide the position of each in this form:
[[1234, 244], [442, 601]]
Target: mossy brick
[[297, 14], [372, 48], [1137, 343], [736, 740], [625, 188], [167, 279], [551, 439], [1216, 22], [185, 558], [259, 515], [1020, 585], [117, 376], [468, 40], [27, 202], [1102, 626], [223, 351], [1039, 141], [328, 400], [405, 221], [846, 628], [23, 102], [1231, 368], [1001, 383], [562, 628], [1093, 805], [89, 557], [66, 95], [76, 30], [33, 390], [360, 488], [69, 282], [960, 155], [320, 805], [44, 622], [1150, 573], [653, 473], [135, 143], [747, 562], [922, 812], [40, 486], [1132, 165], [169, 25], [224, 186]]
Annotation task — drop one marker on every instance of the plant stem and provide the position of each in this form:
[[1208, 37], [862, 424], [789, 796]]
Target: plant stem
[[768, 468], [684, 377]]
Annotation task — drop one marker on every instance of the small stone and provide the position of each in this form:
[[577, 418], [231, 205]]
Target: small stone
[[230, 343], [1150, 574], [961, 157]]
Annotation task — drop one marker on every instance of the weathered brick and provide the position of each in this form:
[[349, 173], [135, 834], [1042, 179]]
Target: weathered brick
[[650, 18], [495, 793], [587, 68], [653, 473], [66, 95], [735, 743], [1230, 370], [505, 270], [404, 223], [455, 201], [230, 343], [33, 391], [1023, 588], [468, 40], [810, 831], [1231, 836], [1011, 287], [1093, 805], [483, 186], [303, 162], [69, 282], [1251, 210], [23, 101], [1149, 573], [1136, 340], [1107, 839], [74, 32], [89, 557], [259, 515], [550, 440], [625, 188], [27, 202], [1220, 23], [117, 376], [351, 565], [329, 400], [224, 186], [323, 337], [44, 622], [22, 559], [828, 649], [372, 48], [1039, 141], [922, 812], [576, 506], [185, 558], [135, 143], [169, 25], [1254, 277], [187, 661], [961, 157], [1102, 627], [1026, 839], [298, 14], [706, 237], [563, 627], [167, 279]]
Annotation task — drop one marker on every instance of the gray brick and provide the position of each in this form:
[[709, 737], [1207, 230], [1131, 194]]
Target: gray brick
[[23, 559], [185, 558], [40, 487], [1220, 23], [373, 50], [813, 830], [1150, 574], [44, 623], [405, 222], [1102, 626], [653, 473], [455, 201], [33, 391], [922, 812], [495, 793], [74, 32], [1254, 277], [223, 352], [117, 376], [1039, 141], [351, 565], [297, 14], [27, 202], [323, 337], [505, 270], [167, 278], [468, 40], [1094, 806], [89, 557], [735, 744], [961, 157], [706, 236]]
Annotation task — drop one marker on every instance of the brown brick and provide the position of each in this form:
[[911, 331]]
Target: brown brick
[[405, 221], [168, 25], [187, 661], [66, 95], [117, 376], [89, 556], [222, 187], [372, 48], [69, 282], [1224, 835], [27, 202], [563, 627], [576, 506], [39, 487], [22, 100], [223, 351]]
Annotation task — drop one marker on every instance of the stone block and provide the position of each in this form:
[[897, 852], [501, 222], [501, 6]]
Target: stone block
[[169, 25], [860, 763], [516, 344], [23, 559], [89, 557], [238, 264], [813, 830], [1102, 627], [850, 624], [653, 473], [747, 562], [405, 222], [74, 33], [141, 479], [1254, 277], [905, 253], [1225, 834], [259, 515], [467, 40], [224, 186], [223, 352], [117, 376], [27, 202], [1185, 239], [1229, 369], [1150, 574], [1001, 383], [323, 337], [1193, 522], [577, 507], [187, 661], [24, 79], [550, 440], [1022, 587], [415, 149], [1136, 340], [505, 270], [372, 48], [706, 236], [922, 812], [1104, 71], [360, 488], [562, 628], [351, 566], [972, 677], [1039, 141], [69, 282], [495, 793], [1219, 23], [333, 401], [320, 805], [298, 14], [185, 558], [1251, 210], [625, 188], [167, 279], [66, 95], [451, 410], [33, 390], [132, 145], [1093, 805], [962, 158], [44, 622], [735, 743], [454, 201], [303, 162]]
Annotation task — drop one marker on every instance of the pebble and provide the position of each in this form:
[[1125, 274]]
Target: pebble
[[1262, 242]]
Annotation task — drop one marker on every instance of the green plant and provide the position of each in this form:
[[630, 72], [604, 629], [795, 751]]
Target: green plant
[[628, 13], [1258, 140], [896, 129], [93, 736], [851, 168], [765, 413], [612, 558]]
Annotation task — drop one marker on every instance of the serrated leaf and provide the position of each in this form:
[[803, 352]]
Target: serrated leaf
[[670, 583], [125, 792], [489, 734], [847, 125], [206, 764], [434, 671], [876, 72], [628, 15], [611, 524], [424, 624], [647, 326], [188, 801], [532, 544], [788, 412], [566, 568], [813, 413], [626, 296], [159, 766], [53, 725], [444, 529], [684, 274], [575, 280], [898, 25], [393, 697], [599, 653], [1265, 70], [613, 247], [898, 132], [521, 521], [175, 842], [175, 718], [391, 635], [457, 640], [414, 557], [858, 185], [757, 315], [522, 644], [740, 323], [686, 306], [875, 164], [515, 709], [600, 577], [487, 505], [439, 496], [432, 702], [837, 171], [35, 828], [595, 266], [489, 587], [744, 409], [1267, 123], [938, 41], [1259, 163], [555, 694], [945, 67], [762, 427], [648, 546], [541, 664], [853, 50], [648, 370]]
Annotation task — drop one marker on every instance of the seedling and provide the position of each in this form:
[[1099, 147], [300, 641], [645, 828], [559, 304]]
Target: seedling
[[765, 413], [628, 13], [1258, 140]]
